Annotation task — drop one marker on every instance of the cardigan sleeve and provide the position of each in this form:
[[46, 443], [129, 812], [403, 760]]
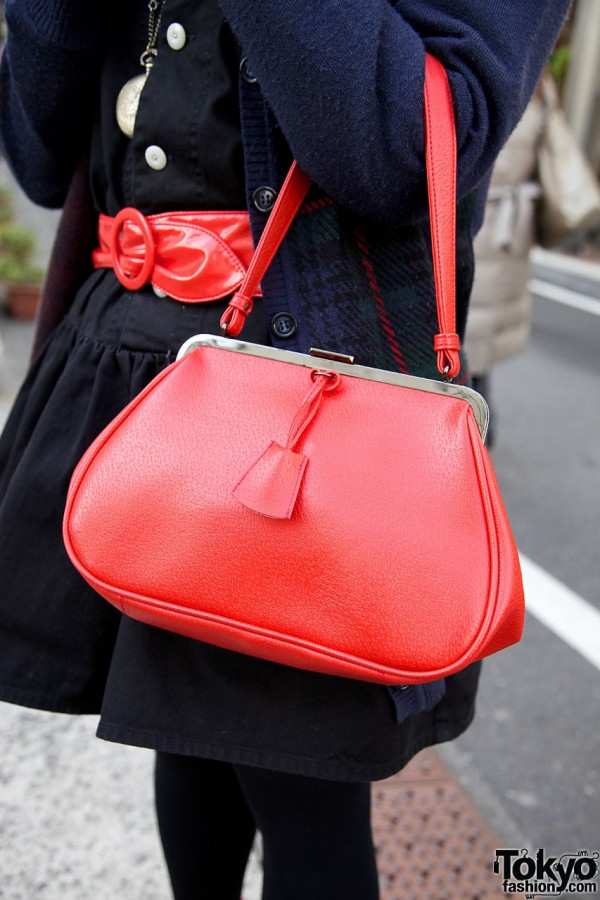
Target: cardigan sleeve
[[344, 79], [48, 91]]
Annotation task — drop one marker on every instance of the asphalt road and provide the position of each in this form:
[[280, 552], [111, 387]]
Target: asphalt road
[[533, 753]]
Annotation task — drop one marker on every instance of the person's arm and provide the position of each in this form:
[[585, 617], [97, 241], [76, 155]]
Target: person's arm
[[48, 91], [345, 81]]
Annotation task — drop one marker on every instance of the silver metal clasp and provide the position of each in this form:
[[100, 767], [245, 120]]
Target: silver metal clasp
[[329, 354]]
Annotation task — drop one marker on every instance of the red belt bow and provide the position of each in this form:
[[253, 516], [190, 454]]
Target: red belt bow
[[191, 256]]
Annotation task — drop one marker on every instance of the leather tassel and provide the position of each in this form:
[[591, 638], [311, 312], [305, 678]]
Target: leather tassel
[[270, 486]]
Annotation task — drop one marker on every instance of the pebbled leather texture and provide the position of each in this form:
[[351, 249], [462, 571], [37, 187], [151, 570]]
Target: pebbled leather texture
[[271, 484], [361, 535], [397, 563]]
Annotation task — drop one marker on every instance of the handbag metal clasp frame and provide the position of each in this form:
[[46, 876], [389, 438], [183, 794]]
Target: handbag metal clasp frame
[[339, 362], [329, 354]]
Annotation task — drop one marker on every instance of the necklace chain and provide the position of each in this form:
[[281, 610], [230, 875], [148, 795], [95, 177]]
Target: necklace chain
[[128, 100], [147, 57]]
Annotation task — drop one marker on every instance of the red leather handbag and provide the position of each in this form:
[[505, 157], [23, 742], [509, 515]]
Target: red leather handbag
[[306, 510]]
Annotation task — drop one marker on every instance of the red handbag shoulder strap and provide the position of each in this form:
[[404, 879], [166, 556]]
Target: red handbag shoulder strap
[[440, 159], [440, 135], [292, 193]]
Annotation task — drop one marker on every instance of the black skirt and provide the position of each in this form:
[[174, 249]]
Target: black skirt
[[65, 649]]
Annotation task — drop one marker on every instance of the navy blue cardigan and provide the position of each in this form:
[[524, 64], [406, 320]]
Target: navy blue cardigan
[[344, 80], [340, 85]]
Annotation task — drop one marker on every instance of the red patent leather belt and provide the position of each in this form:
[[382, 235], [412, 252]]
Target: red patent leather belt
[[191, 256]]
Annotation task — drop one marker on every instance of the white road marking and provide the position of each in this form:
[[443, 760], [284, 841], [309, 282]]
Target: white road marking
[[563, 611], [574, 266], [563, 295]]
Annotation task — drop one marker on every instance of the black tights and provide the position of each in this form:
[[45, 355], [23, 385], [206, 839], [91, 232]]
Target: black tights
[[316, 834]]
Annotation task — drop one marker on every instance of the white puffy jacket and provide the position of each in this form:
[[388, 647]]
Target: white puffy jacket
[[500, 312]]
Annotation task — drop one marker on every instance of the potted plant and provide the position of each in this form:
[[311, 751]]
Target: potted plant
[[19, 274]]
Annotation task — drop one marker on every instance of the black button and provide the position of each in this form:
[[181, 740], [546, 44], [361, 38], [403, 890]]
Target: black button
[[284, 325], [246, 72], [264, 198]]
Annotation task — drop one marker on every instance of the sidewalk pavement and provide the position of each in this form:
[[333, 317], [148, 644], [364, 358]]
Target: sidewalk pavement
[[77, 822], [77, 819]]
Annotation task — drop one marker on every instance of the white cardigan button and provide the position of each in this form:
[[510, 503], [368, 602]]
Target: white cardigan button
[[155, 157], [176, 36]]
